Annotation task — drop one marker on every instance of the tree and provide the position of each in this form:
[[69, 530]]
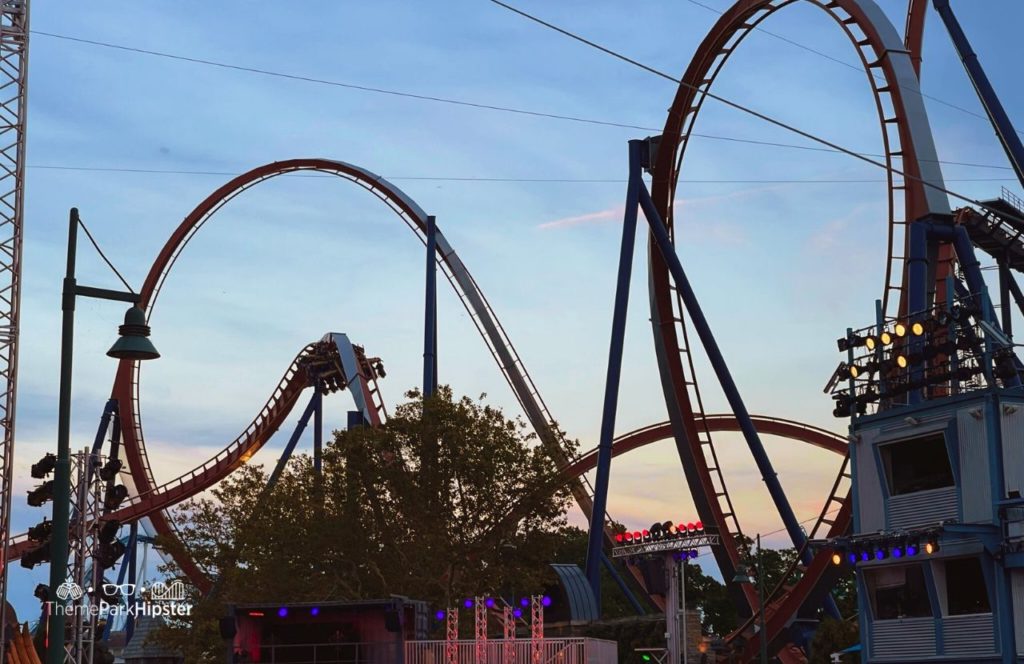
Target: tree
[[425, 505]]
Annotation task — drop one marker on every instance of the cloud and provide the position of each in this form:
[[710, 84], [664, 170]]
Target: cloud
[[600, 215]]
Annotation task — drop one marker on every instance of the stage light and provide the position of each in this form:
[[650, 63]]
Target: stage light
[[620, 538], [885, 338], [637, 536], [645, 657], [108, 554], [871, 342], [40, 554], [691, 527], [900, 329], [647, 535], [256, 614], [545, 601], [109, 471], [881, 553], [282, 612], [699, 525], [931, 546], [108, 531], [524, 601], [40, 531], [852, 557], [114, 496], [897, 552], [851, 341], [671, 529], [864, 556], [693, 553], [1005, 366], [901, 361], [837, 559], [489, 602], [911, 550], [315, 611], [41, 494], [917, 329], [517, 613], [42, 592], [44, 466], [439, 615], [656, 531], [468, 603]]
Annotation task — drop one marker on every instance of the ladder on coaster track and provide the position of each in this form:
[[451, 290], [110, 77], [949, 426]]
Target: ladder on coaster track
[[703, 431]]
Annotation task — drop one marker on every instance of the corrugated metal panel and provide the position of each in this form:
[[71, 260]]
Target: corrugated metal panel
[[968, 636], [922, 508], [910, 638], [869, 485], [1017, 588], [1013, 447], [582, 605], [975, 487]]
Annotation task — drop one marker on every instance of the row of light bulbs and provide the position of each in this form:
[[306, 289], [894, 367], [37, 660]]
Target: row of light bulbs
[[660, 532], [906, 549]]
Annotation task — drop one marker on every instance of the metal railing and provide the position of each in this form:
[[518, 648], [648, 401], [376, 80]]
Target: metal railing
[[370, 652], [518, 651]]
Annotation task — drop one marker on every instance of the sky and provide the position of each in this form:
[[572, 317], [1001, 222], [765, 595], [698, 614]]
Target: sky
[[781, 265]]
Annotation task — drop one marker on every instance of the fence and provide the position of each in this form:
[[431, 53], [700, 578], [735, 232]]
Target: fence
[[551, 651], [373, 652]]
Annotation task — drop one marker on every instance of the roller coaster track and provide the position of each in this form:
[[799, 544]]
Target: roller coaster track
[[908, 147]]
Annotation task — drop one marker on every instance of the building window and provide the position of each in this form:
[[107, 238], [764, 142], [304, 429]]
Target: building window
[[918, 464], [899, 592], [965, 587]]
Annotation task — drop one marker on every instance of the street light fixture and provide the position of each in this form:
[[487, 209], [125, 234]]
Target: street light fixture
[[133, 344], [743, 575]]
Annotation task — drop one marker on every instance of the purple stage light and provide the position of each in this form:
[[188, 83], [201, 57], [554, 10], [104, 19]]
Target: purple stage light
[[524, 601], [468, 603], [546, 601], [315, 611], [439, 615], [489, 602], [517, 613], [282, 612]]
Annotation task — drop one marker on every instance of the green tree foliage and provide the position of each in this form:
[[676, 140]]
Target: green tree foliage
[[833, 636], [428, 506]]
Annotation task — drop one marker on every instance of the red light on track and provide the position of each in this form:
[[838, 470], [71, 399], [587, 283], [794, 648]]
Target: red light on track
[[637, 536], [699, 525], [620, 538], [628, 536], [255, 614], [682, 528], [647, 533], [690, 527]]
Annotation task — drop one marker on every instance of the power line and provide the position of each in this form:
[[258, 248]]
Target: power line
[[104, 256], [844, 63], [459, 102], [435, 178], [749, 111]]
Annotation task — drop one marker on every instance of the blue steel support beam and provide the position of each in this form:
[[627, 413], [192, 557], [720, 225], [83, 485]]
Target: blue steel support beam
[[611, 391], [621, 583], [917, 296], [133, 542], [739, 409], [318, 435], [1007, 135], [430, 313], [1018, 296], [1005, 309], [314, 403]]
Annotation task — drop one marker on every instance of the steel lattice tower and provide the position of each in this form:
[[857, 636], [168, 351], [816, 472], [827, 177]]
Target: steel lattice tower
[[14, 31]]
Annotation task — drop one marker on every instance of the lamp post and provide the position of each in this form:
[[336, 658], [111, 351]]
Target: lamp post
[[133, 344], [743, 576]]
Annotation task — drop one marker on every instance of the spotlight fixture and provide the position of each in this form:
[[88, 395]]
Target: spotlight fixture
[[114, 496], [911, 549], [837, 559], [852, 557], [282, 612], [517, 613], [40, 531], [109, 471], [108, 554], [468, 603], [885, 337], [931, 546], [881, 553], [44, 466], [39, 555], [41, 494], [900, 330]]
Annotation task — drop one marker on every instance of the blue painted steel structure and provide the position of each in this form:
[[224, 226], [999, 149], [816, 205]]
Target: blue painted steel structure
[[640, 157]]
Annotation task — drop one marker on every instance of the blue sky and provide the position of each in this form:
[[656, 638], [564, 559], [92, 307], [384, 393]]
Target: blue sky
[[781, 268]]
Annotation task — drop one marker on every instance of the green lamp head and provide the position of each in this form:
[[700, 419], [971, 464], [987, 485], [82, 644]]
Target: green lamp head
[[134, 343]]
